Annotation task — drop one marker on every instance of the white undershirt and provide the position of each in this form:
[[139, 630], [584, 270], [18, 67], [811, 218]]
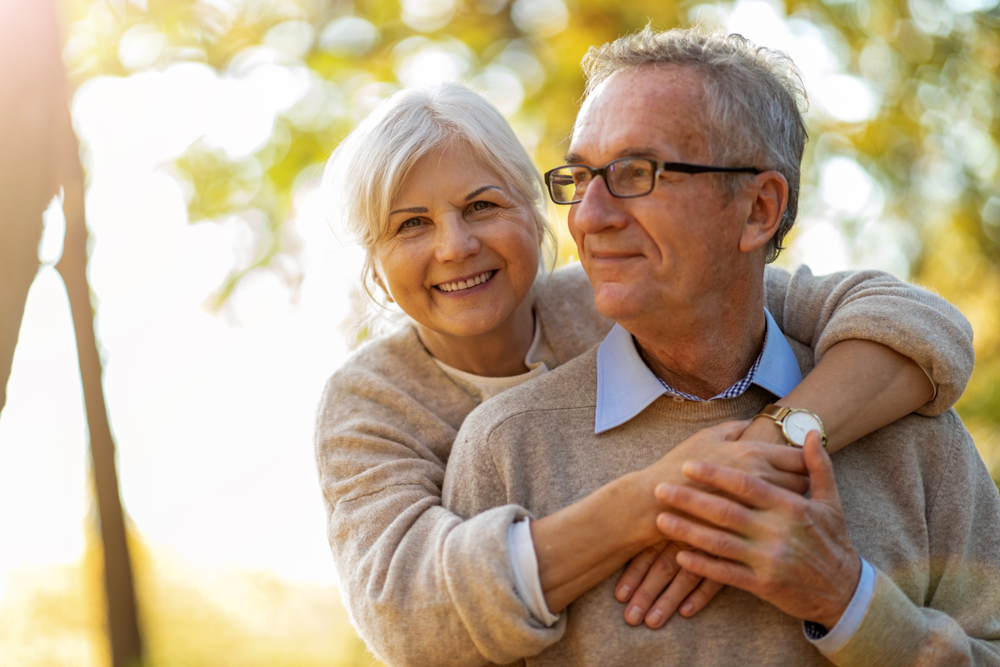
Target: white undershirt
[[490, 386]]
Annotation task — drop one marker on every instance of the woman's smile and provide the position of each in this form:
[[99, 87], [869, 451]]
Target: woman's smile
[[463, 285]]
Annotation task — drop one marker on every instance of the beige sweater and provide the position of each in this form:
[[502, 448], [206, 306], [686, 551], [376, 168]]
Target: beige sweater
[[920, 507], [414, 577]]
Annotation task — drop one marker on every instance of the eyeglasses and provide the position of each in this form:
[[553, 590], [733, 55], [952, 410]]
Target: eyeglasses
[[625, 177]]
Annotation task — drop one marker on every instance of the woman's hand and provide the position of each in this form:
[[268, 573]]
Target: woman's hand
[[776, 464], [653, 585]]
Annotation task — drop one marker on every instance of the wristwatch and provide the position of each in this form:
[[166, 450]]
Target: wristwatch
[[795, 423]]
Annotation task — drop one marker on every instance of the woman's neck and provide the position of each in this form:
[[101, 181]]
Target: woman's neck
[[496, 353]]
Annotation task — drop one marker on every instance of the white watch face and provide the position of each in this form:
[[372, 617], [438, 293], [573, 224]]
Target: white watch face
[[798, 423]]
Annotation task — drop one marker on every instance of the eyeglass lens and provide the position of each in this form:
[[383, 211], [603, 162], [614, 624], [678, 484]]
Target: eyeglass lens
[[624, 177]]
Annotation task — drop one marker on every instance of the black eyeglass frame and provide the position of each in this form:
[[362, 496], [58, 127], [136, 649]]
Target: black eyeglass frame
[[658, 167]]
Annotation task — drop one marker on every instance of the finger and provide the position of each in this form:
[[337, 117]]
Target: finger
[[783, 457], [700, 597], [707, 538], [661, 573], [793, 482], [708, 507], [720, 570], [636, 571], [678, 590], [750, 490], [821, 478]]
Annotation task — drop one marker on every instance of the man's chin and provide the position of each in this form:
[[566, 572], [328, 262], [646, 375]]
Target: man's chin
[[618, 302]]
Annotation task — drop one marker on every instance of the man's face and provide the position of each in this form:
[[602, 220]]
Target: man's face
[[677, 247]]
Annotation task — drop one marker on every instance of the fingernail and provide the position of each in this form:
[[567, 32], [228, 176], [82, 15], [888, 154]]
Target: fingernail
[[687, 608], [622, 593], [634, 615], [655, 618]]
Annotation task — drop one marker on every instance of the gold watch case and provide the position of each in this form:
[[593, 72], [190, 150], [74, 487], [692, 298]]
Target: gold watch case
[[795, 423]]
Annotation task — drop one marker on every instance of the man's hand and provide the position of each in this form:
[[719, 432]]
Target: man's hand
[[788, 550], [653, 585]]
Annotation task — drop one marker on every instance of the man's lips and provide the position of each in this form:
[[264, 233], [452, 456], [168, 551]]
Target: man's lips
[[465, 283], [612, 256]]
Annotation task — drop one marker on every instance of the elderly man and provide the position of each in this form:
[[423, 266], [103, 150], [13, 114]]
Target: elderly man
[[683, 181]]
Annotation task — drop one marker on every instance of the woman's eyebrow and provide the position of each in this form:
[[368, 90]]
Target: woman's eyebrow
[[415, 209], [481, 191]]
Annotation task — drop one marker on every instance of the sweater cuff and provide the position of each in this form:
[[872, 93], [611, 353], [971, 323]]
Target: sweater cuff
[[527, 580], [477, 568], [890, 633], [829, 642]]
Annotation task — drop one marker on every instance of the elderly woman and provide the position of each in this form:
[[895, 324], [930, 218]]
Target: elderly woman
[[448, 205]]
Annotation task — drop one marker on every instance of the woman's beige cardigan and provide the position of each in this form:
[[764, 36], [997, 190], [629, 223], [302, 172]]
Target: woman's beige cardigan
[[412, 574]]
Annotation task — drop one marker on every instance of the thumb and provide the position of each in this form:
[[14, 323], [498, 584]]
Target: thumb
[[822, 483]]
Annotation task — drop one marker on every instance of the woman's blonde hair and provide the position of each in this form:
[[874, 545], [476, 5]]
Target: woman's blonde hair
[[366, 171]]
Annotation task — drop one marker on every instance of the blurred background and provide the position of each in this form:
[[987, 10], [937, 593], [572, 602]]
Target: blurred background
[[219, 287]]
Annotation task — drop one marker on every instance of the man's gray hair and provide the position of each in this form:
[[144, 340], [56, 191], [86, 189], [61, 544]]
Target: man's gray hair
[[368, 168], [754, 95]]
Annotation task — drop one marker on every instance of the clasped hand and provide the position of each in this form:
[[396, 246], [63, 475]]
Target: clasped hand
[[654, 585], [791, 551]]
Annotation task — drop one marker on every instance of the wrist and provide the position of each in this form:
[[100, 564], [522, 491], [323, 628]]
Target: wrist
[[631, 509], [838, 608]]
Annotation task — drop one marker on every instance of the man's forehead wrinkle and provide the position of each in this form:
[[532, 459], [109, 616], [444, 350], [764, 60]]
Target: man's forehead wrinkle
[[629, 151], [646, 112]]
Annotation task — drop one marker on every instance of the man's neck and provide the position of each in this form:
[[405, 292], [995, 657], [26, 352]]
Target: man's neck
[[709, 354]]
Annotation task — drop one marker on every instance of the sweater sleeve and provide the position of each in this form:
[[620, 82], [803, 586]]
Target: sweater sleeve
[[415, 578], [959, 621], [820, 311]]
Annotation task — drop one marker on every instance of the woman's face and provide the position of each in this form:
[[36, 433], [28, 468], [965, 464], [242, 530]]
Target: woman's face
[[462, 248]]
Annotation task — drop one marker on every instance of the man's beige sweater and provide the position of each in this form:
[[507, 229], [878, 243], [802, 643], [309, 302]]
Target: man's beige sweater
[[920, 507], [423, 587]]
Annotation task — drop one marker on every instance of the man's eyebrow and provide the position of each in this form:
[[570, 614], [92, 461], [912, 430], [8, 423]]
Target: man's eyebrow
[[481, 191], [629, 151], [415, 209]]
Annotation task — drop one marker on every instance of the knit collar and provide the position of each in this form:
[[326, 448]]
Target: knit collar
[[626, 386]]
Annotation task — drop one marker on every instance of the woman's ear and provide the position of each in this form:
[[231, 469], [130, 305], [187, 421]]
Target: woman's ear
[[769, 197], [378, 281]]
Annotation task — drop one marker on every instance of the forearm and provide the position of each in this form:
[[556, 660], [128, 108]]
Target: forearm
[[823, 311], [584, 543], [857, 387]]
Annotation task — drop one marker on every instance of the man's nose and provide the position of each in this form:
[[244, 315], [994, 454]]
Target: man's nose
[[598, 211], [455, 240]]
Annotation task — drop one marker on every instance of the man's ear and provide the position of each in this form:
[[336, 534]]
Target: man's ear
[[769, 197]]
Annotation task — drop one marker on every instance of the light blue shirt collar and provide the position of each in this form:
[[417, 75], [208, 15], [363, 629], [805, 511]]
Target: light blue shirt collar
[[626, 386]]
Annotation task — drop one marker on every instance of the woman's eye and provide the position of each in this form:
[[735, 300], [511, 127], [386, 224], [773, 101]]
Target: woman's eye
[[412, 222], [482, 205]]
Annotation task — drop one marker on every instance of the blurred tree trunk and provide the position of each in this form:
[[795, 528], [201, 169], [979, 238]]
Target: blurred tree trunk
[[28, 99], [39, 154]]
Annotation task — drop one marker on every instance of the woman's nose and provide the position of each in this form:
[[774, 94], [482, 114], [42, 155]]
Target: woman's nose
[[456, 240]]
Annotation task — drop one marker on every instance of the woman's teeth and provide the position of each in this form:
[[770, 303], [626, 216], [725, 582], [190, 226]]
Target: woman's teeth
[[466, 284]]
